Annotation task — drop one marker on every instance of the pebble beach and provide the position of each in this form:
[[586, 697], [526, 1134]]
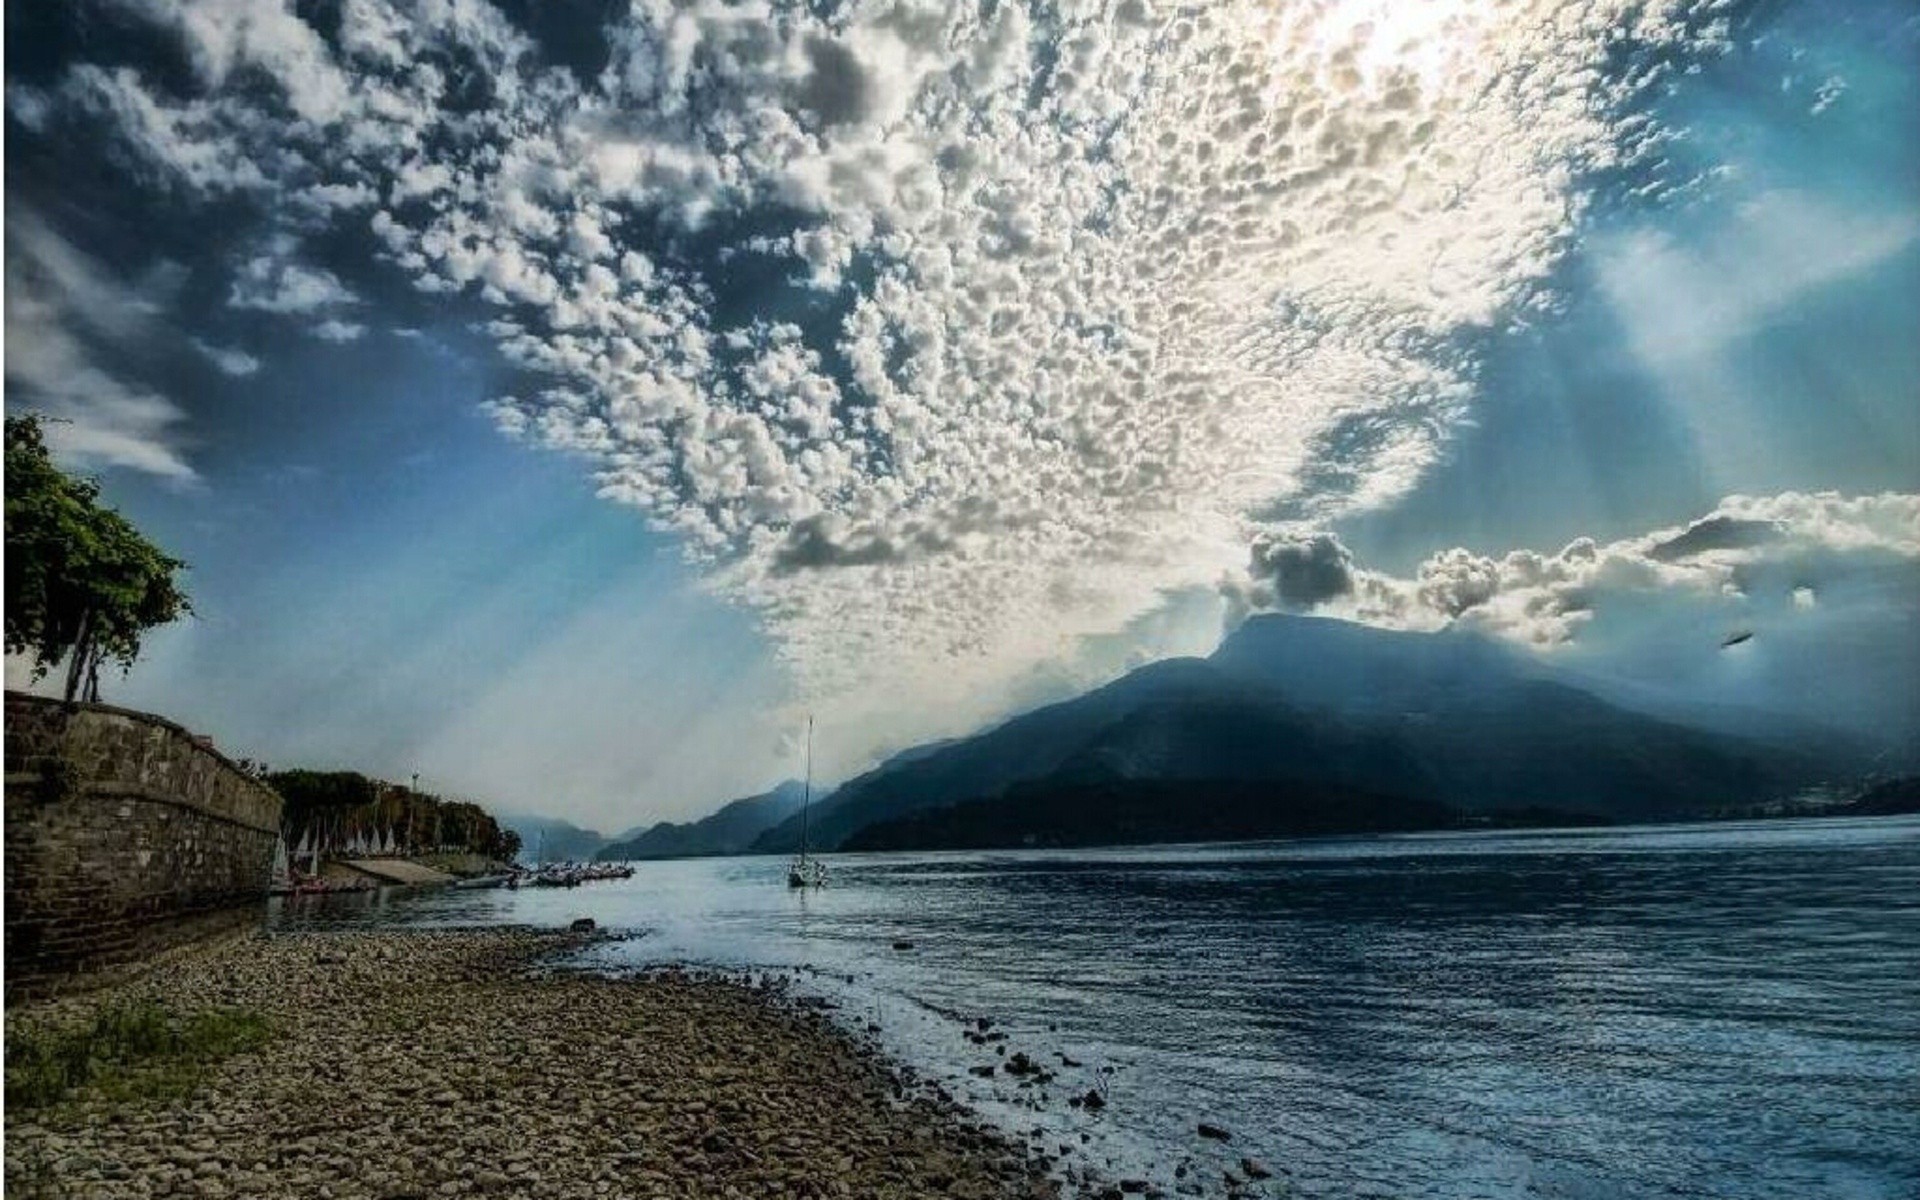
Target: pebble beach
[[451, 1063]]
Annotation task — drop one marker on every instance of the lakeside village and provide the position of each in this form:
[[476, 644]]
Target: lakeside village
[[345, 832]]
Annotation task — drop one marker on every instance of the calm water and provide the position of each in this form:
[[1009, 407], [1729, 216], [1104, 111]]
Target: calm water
[[1725, 1010]]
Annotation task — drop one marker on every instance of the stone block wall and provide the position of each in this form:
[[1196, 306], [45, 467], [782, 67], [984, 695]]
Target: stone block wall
[[126, 835]]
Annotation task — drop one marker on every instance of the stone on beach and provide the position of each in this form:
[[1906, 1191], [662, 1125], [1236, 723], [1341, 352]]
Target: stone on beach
[[438, 1063]]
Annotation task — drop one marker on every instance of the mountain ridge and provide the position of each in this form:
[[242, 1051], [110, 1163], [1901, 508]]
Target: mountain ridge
[[730, 829], [1324, 707]]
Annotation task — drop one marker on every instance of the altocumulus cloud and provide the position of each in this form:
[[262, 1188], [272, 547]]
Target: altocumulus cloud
[[1060, 293]]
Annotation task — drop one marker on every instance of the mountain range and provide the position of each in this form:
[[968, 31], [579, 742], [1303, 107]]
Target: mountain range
[[731, 830], [549, 839], [1303, 724]]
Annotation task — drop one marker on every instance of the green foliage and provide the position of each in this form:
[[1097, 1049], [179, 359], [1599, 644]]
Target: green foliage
[[79, 576], [506, 847], [337, 806], [129, 1052]]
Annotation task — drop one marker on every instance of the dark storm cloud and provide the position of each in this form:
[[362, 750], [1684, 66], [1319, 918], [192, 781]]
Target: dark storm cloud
[[1715, 533], [1303, 571]]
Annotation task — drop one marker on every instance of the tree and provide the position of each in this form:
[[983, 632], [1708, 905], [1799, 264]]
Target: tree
[[506, 846], [81, 581]]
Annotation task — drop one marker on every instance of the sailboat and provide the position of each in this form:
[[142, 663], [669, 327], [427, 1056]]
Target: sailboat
[[806, 871]]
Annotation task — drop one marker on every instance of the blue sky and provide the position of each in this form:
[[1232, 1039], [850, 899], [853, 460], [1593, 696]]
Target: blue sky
[[558, 400]]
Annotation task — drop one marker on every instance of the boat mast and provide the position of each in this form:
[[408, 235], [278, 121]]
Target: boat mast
[[806, 793]]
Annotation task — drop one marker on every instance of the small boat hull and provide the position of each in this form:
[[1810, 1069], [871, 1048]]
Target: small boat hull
[[480, 882], [805, 872]]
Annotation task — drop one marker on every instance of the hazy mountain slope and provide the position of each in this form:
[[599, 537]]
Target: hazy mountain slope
[[1026, 747], [552, 839], [1326, 708], [729, 830]]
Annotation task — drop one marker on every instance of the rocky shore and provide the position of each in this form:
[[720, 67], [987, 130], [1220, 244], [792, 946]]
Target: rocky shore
[[420, 1064]]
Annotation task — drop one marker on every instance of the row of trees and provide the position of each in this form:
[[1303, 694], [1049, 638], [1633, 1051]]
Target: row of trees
[[83, 585], [330, 811]]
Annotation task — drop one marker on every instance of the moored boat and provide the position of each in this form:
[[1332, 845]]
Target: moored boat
[[805, 871], [483, 881]]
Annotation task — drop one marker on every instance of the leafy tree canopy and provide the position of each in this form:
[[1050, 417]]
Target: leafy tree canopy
[[79, 576], [334, 808]]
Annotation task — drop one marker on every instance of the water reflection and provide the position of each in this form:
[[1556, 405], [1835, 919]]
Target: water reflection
[[1728, 1010]]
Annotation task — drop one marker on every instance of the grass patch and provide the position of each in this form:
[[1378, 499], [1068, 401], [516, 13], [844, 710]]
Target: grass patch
[[129, 1052]]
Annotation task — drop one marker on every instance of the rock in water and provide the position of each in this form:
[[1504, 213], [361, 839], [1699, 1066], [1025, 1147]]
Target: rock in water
[[1209, 1130], [1252, 1168], [1093, 1101], [583, 925]]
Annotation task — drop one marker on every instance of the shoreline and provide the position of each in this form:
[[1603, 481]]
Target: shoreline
[[418, 1063]]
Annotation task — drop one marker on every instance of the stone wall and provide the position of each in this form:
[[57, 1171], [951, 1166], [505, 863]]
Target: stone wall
[[126, 835]]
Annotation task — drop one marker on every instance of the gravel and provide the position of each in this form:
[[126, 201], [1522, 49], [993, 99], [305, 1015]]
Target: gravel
[[453, 1063]]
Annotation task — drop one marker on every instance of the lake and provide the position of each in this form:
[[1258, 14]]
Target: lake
[[1726, 1010]]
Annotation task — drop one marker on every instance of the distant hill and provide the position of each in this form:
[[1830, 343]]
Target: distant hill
[[731, 830], [552, 839], [1305, 712]]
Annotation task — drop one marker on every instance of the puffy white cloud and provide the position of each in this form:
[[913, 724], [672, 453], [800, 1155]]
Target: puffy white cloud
[[1798, 542], [270, 283], [1071, 292]]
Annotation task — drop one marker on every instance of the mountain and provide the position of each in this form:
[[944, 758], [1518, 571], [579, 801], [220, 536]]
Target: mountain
[[731, 830], [1310, 713], [553, 840]]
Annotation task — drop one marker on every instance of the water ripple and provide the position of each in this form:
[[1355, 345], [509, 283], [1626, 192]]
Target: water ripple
[[1727, 1010]]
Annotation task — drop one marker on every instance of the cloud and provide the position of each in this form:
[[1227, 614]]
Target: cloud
[[69, 324], [1681, 303], [272, 284], [1799, 544], [1295, 572], [335, 330], [231, 361], [822, 540], [1827, 94], [1047, 302], [1718, 532]]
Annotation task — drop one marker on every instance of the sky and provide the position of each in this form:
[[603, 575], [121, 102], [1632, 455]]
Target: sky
[[559, 400]]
